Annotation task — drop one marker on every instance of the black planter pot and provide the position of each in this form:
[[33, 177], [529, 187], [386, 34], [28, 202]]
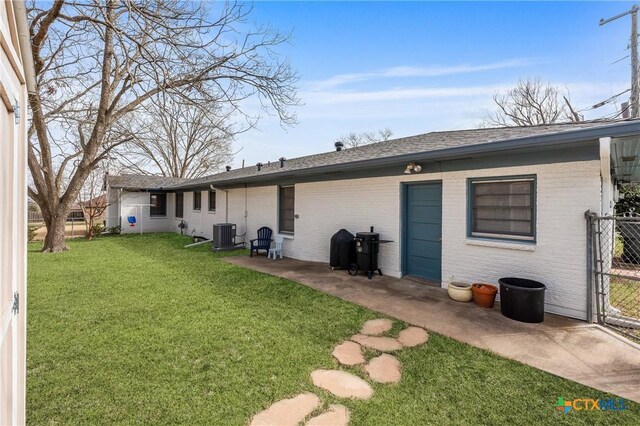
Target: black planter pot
[[522, 300]]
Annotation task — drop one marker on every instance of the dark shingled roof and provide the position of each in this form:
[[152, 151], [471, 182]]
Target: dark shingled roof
[[131, 181], [429, 145], [428, 142]]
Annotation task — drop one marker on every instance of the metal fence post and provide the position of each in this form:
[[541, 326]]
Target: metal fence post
[[590, 290]]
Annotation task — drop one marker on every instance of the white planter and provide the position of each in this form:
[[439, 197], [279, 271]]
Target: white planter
[[460, 292]]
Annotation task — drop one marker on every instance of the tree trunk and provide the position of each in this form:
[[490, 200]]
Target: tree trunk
[[54, 242]]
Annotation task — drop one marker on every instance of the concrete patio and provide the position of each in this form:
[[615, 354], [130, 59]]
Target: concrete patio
[[575, 350]]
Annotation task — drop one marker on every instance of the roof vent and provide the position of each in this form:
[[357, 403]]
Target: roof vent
[[625, 109], [282, 160], [259, 165], [228, 168], [339, 145]]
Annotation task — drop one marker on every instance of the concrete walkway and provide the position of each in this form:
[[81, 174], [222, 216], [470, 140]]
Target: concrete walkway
[[575, 350]]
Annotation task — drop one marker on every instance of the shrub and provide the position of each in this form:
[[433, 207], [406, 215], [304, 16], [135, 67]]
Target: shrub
[[94, 231], [97, 229], [114, 230], [32, 231]]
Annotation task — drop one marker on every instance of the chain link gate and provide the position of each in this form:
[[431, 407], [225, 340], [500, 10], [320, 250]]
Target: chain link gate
[[614, 276]]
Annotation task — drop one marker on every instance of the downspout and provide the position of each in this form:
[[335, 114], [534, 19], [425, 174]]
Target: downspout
[[605, 174], [25, 47], [246, 213], [226, 201], [120, 208], [606, 210]]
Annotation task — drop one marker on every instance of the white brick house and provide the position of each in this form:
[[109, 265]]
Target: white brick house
[[500, 202]]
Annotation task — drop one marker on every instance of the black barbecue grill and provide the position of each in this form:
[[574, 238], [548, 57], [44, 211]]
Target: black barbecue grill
[[367, 249]]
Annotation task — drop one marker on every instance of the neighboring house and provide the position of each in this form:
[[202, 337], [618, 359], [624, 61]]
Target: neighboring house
[[16, 78], [469, 205], [96, 207], [75, 213]]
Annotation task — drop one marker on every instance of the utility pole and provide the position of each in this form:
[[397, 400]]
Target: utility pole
[[635, 99]]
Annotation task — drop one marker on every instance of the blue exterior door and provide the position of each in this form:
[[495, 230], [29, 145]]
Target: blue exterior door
[[423, 231]]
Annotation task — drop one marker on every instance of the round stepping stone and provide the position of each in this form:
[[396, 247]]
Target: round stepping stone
[[348, 353], [413, 336], [384, 344], [342, 384], [287, 411], [384, 369], [337, 415], [376, 326]]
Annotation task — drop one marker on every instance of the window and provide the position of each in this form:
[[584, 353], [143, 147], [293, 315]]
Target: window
[[502, 208], [75, 215], [158, 204], [179, 204], [197, 200], [212, 201], [287, 203]]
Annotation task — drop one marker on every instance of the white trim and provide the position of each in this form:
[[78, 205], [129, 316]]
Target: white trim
[[501, 244], [605, 175], [527, 179], [7, 316], [524, 238]]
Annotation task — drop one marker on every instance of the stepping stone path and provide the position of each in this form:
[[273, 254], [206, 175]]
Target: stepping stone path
[[381, 369], [383, 344], [337, 415], [348, 353], [287, 411], [384, 369], [376, 326], [342, 384], [413, 336]]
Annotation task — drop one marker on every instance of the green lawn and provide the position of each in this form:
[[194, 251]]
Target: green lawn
[[136, 329]]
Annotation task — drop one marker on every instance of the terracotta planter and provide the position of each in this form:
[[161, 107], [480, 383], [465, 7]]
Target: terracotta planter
[[460, 292], [484, 295]]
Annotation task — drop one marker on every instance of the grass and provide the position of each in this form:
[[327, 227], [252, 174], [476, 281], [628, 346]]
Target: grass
[[618, 245], [136, 329], [625, 295]]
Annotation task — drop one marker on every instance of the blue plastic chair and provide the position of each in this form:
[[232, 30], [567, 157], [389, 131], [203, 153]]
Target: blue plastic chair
[[263, 242]]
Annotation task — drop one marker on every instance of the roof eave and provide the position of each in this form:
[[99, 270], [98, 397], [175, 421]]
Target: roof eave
[[554, 139]]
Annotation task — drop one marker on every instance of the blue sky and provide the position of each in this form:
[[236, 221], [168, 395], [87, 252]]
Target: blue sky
[[416, 67]]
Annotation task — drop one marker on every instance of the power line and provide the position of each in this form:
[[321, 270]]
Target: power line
[[635, 99], [606, 101]]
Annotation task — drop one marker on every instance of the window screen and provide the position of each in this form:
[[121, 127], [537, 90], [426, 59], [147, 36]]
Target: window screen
[[179, 204], [158, 204], [197, 200], [503, 208], [287, 203], [212, 201]]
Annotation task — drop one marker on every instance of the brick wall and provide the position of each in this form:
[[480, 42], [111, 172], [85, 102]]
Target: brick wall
[[558, 258]]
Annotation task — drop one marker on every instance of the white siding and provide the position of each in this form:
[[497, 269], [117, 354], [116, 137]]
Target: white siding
[[259, 203], [131, 204], [13, 216], [113, 208], [199, 222]]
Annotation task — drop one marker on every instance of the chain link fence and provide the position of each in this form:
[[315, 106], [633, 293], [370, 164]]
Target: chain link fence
[[614, 244]]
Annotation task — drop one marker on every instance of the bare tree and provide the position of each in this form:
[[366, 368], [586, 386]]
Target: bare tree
[[531, 103], [97, 62], [352, 140], [92, 200], [178, 139]]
